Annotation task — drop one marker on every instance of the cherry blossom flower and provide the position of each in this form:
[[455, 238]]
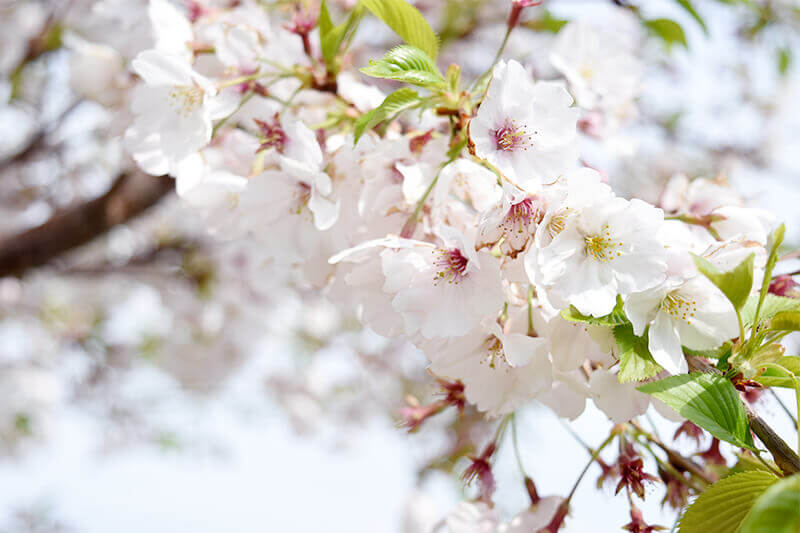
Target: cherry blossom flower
[[96, 70], [174, 111], [172, 31], [731, 222], [601, 70], [698, 197], [474, 185], [527, 130], [472, 517], [500, 371], [443, 291], [512, 223], [605, 250], [439, 291], [536, 518], [692, 313], [568, 394], [620, 401]]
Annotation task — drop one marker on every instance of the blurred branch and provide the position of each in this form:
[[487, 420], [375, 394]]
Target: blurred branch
[[131, 194], [37, 140], [180, 257]]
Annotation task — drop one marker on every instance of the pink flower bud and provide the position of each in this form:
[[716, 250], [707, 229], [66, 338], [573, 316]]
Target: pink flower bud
[[784, 286]]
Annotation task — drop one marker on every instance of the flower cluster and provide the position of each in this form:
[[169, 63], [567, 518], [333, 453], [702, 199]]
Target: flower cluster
[[471, 228], [479, 239]]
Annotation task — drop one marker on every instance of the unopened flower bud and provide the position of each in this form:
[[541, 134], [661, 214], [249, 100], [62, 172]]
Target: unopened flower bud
[[785, 286], [516, 10]]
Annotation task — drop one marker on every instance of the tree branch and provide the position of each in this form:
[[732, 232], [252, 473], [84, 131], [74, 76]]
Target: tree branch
[[131, 194], [37, 140], [784, 456]]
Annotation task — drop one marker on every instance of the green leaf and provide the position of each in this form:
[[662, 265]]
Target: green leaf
[[635, 361], [547, 22], [736, 284], [724, 505], [331, 37], [748, 463], [791, 363], [407, 22], [398, 101], [715, 353], [784, 60], [612, 320], [775, 241], [408, 64], [786, 321], [324, 21], [668, 30], [772, 305], [454, 151], [777, 510], [775, 377], [453, 78], [687, 5], [616, 318], [708, 400]]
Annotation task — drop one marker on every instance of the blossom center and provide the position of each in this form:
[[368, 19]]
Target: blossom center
[[302, 195], [186, 99], [520, 216], [679, 307], [451, 266], [510, 137], [602, 247], [272, 134], [495, 354], [557, 223]]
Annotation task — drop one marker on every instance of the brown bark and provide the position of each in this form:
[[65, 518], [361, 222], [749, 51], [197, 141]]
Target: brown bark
[[131, 194], [784, 456]]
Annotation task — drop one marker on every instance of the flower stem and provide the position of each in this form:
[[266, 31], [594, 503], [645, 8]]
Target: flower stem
[[531, 329], [480, 81], [515, 442], [766, 464], [222, 122], [408, 227], [797, 398], [250, 77], [676, 458], [671, 469], [741, 327], [594, 456]]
